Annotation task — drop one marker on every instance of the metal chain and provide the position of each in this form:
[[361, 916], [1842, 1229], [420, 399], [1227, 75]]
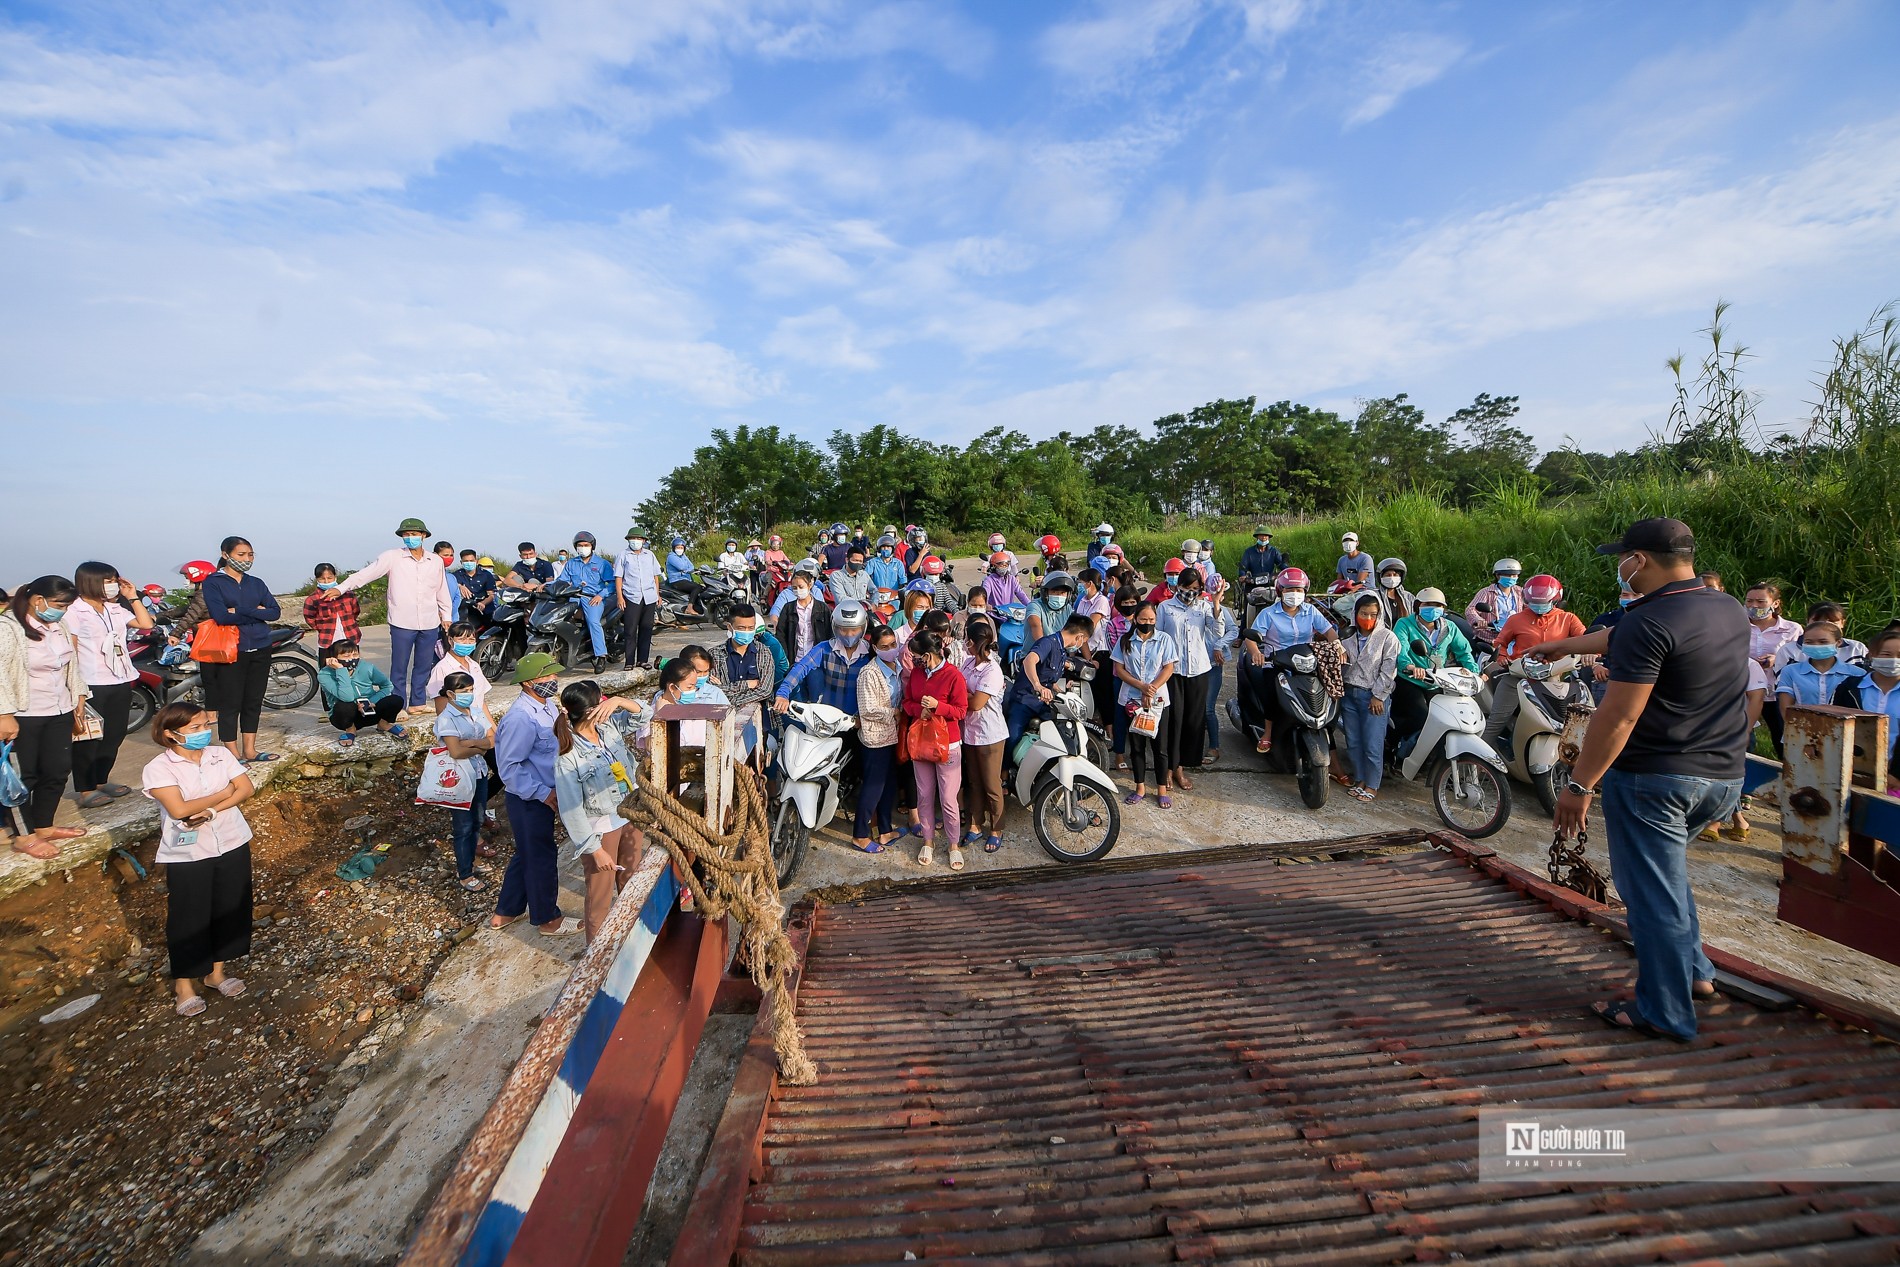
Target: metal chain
[[1570, 867]]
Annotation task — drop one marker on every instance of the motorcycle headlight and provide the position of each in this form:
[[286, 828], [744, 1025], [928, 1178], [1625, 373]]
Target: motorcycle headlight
[[1304, 663]]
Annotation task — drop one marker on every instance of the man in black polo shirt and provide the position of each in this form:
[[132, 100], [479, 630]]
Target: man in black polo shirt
[[1668, 744]]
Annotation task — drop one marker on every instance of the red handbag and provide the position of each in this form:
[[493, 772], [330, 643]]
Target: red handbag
[[930, 738]]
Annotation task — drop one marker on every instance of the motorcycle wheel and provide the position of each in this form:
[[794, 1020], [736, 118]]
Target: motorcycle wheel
[[1315, 759], [144, 705], [1548, 784], [1099, 755], [790, 839], [1081, 832], [490, 656], [1486, 806], [292, 683]]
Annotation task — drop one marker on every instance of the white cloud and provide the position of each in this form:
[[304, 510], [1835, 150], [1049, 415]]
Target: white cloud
[[1404, 63], [911, 26], [825, 338], [1122, 35]]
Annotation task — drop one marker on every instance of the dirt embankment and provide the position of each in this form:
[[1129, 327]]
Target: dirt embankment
[[130, 1129]]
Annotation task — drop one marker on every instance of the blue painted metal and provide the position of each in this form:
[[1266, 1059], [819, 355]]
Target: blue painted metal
[[1872, 814]]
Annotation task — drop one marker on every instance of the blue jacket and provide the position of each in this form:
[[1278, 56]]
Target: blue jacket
[[679, 567], [824, 676], [886, 573], [1264, 562], [591, 576], [246, 603]]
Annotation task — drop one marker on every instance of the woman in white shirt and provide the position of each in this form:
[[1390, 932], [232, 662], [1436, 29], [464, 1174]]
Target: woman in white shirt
[[101, 623], [460, 658], [41, 688], [205, 846]]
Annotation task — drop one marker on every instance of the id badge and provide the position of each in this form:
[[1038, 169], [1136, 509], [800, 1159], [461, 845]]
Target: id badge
[[187, 836]]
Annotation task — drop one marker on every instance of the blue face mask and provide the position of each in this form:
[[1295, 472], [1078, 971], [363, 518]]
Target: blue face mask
[[468, 565], [1174, 580], [197, 741], [1819, 650], [412, 543], [1626, 600], [743, 637], [1506, 582], [464, 648], [326, 585], [1430, 615], [465, 699], [53, 615], [1540, 608]]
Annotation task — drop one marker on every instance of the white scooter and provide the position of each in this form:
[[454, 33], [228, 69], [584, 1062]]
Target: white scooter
[[1071, 800], [1547, 690], [1469, 783], [810, 755]]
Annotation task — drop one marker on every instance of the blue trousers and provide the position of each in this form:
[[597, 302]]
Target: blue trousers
[[877, 794], [412, 655], [1650, 820], [465, 827], [532, 881], [592, 613], [1365, 735], [1019, 712]]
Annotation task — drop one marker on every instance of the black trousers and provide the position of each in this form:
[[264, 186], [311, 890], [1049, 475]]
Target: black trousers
[[1185, 719], [208, 911], [1104, 689], [638, 627], [346, 715], [45, 751], [235, 692], [93, 760]]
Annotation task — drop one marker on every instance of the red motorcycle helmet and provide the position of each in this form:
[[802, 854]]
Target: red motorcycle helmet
[[1543, 588], [1290, 579], [1049, 545], [999, 560], [196, 570], [1174, 568], [932, 566], [153, 590]]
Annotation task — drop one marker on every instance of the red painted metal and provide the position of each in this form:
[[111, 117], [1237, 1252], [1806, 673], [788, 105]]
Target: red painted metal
[[1234, 1059], [711, 1229], [1854, 906], [589, 1203]]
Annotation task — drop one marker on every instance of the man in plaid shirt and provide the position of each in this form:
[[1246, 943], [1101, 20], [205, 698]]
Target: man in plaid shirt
[[836, 662]]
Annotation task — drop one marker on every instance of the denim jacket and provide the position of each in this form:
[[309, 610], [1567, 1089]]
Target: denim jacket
[[588, 790]]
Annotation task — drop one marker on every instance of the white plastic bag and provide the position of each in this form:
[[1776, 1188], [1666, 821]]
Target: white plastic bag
[[445, 783]]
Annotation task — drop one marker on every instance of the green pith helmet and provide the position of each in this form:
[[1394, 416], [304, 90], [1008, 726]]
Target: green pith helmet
[[412, 525], [534, 665]]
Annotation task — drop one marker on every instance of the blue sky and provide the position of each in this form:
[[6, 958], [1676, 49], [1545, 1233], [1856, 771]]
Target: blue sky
[[296, 272]]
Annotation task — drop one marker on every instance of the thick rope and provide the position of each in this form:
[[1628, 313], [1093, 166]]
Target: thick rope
[[733, 873]]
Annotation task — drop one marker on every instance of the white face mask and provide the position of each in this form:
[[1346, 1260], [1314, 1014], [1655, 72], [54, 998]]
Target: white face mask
[[1885, 665], [1189, 556], [1292, 599], [585, 550], [1390, 582], [111, 590]]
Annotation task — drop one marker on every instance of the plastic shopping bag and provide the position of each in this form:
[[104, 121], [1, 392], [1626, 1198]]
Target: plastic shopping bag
[[12, 786], [445, 783]]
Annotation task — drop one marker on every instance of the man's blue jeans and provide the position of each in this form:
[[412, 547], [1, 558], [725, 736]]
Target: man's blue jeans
[[1019, 712], [592, 612], [1365, 736], [413, 652], [1650, 820]]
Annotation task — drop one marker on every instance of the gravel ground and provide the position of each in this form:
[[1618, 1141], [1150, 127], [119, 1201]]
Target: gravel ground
[[130, 1129]]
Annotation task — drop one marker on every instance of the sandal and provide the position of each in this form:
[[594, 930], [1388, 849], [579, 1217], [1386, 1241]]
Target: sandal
[[1264, 746], [230, 987], [502, 921], [992, 843], [1164, 801], [1211, 757], [94, 800], [1735, 833], [566, 926], [1183, 782], [35, 848], [346, 741], [264, 756], [1360, 792], [1340, 779], [923, 856], [956, 858], [116, 790], [474, 883], [1621, 1014], [484, 850], [193, 1006], [397, 732], [972, 837], [1133, 798], [869, 846]]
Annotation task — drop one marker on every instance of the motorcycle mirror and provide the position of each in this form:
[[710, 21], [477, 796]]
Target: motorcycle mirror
[[1419, 648]]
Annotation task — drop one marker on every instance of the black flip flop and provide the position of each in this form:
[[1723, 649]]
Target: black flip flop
[[1621, 1014]]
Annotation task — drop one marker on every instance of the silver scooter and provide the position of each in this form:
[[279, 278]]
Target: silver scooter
[[1470, 787], [810, 755], [1071, 800], [1547, 692]]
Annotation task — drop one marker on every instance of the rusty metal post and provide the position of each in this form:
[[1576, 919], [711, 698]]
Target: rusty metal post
[[678, 728], [1818, 743]]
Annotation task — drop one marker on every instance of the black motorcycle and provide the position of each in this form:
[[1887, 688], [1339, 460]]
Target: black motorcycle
[[1301, 732], [558, 627], [503, 638], [291, 681], [715, 600]]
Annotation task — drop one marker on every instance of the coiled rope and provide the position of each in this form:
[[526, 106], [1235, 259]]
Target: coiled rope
[[732, 873]]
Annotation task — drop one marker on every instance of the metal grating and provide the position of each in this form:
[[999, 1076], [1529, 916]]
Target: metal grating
[[1250, 1062]]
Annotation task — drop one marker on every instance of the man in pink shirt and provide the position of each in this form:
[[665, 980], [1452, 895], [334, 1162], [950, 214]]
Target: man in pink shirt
[[418, 608]]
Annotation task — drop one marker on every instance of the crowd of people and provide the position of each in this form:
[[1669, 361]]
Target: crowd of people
[[943, 684]]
